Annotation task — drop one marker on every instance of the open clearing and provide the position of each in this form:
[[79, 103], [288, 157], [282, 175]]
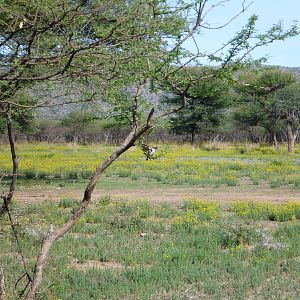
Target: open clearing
[[140, 250], [191, 224], [223, 195]]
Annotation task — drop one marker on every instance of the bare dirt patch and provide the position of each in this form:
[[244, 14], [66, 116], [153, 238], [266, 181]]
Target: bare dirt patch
[[102, 265], [173, 195], [95, 264]]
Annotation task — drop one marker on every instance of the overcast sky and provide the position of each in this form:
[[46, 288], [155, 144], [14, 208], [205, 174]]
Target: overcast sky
[[284, 53]]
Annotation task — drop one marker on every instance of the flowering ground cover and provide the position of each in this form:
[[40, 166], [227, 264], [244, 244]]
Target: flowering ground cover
[[135, 250], [140, 250], [229, 165]]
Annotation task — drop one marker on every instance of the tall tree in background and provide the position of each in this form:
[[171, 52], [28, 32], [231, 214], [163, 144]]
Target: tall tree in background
[[111, 45], [207, 100], [286, 109], [257, 90]]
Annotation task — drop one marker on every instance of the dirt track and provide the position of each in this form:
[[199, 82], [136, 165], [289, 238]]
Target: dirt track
[[174, 195]]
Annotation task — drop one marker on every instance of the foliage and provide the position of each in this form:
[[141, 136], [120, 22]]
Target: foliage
[[22, 117], [204, 109], [259, 92], [286, 105]]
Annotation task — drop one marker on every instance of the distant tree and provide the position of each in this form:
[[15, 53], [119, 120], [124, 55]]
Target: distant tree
[[256, 91], [285, 106], [77, 121], [207, 100]]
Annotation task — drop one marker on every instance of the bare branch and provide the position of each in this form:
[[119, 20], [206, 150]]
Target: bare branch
[[135, 101], [49, 104], [244, 8]]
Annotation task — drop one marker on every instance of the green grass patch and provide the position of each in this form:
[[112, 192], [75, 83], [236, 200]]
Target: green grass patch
[[134, 250], [225, 165], [267, 211]]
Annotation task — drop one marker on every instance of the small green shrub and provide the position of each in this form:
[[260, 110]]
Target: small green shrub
[[86, 174], [296, 182], [234, 233], [198, 205], [123, 172], [104, 201], [230, 180], [30, 174], [42, 175], [277, 182], [72, 175], [58, 175], [196, 211], [68, 203]]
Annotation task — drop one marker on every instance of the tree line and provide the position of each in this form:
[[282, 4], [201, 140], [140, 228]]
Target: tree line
[[261, 105]]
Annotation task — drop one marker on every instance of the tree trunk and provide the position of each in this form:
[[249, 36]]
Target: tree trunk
[[193, 138], [53, 236], [275, 141], [2, 285], [15, 161], [291, 138]]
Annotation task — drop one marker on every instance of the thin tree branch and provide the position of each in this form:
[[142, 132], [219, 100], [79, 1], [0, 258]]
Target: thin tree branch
[[50, 104], [244, 8]]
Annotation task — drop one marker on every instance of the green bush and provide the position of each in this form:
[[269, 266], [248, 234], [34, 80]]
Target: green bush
[[42, 174], [30, 174], [72, 175]]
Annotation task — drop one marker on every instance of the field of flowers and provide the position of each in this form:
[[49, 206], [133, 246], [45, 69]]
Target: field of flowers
[[174, 165], [135, 250]]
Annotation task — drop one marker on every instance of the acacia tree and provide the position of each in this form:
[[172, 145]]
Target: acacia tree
[[286, 108], [117, 44], [259, 92], [78, 40], [207, 100]]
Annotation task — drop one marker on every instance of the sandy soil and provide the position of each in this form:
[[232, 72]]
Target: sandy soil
[[175, 195]]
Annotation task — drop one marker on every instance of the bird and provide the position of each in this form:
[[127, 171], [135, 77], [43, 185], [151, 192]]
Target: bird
[[149, 151]]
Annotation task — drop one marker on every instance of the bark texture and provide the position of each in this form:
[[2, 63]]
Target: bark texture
[[291, 139], [2, 286], [8, 197]]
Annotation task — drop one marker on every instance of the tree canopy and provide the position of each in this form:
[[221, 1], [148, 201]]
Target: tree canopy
[[207, 101], [268, 99]]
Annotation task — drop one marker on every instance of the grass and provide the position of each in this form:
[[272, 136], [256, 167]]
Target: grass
[[134, 250], [204, 166], [267, 211]]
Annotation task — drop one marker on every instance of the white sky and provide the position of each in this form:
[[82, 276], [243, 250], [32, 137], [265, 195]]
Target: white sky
[[284, 53]]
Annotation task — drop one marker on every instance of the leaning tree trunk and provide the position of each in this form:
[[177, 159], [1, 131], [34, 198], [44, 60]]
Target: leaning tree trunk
[[53, 236], [291, 138]]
